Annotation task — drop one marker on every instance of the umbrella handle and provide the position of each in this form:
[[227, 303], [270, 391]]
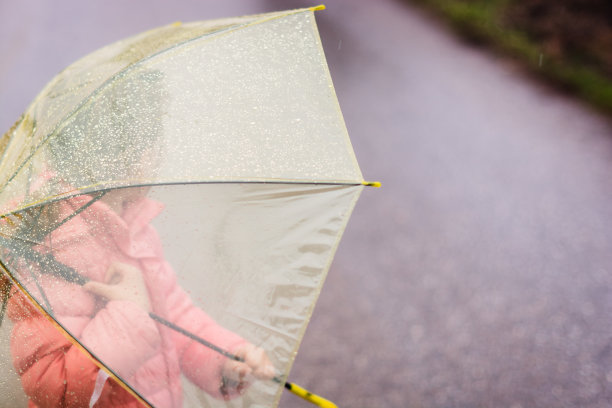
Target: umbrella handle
[[308, 396], [294, 388]]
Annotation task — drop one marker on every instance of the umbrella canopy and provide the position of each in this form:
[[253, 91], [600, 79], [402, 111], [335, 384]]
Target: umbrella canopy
[[170, 205]]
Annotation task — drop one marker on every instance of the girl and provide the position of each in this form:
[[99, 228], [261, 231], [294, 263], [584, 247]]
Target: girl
[[107, 241]]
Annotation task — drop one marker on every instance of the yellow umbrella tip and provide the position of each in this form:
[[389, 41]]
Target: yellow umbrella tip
[[318, 8], [371, 184]]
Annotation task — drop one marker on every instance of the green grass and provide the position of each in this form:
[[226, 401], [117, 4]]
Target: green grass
[[483, 22]]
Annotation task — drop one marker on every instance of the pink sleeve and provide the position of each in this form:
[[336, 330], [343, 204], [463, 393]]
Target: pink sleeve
[[56, 373], [199, 363], [122, 336], [53, 372]]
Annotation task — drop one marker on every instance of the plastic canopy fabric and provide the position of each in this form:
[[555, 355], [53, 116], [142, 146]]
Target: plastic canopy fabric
[[232, 130]]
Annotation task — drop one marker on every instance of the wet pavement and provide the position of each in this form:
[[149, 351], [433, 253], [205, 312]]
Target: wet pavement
[[480, 274]]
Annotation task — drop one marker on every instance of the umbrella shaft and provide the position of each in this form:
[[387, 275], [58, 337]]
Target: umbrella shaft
[[194, 337]]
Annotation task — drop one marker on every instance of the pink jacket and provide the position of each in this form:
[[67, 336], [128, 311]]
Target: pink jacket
[[149, 356]]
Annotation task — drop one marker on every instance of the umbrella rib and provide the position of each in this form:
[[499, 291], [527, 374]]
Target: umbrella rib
[[192, 336], [6, 293], [7, 237], [76, 212], [35, 223], [96, 188], [42, 292]]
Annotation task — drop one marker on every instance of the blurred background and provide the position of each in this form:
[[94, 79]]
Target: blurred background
[[480, 275]]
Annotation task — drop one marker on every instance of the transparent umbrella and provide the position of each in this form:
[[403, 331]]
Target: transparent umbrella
[[170, 206]]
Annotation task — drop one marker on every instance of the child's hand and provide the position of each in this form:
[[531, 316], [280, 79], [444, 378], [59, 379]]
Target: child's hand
[[256, 365], [123, 282]]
